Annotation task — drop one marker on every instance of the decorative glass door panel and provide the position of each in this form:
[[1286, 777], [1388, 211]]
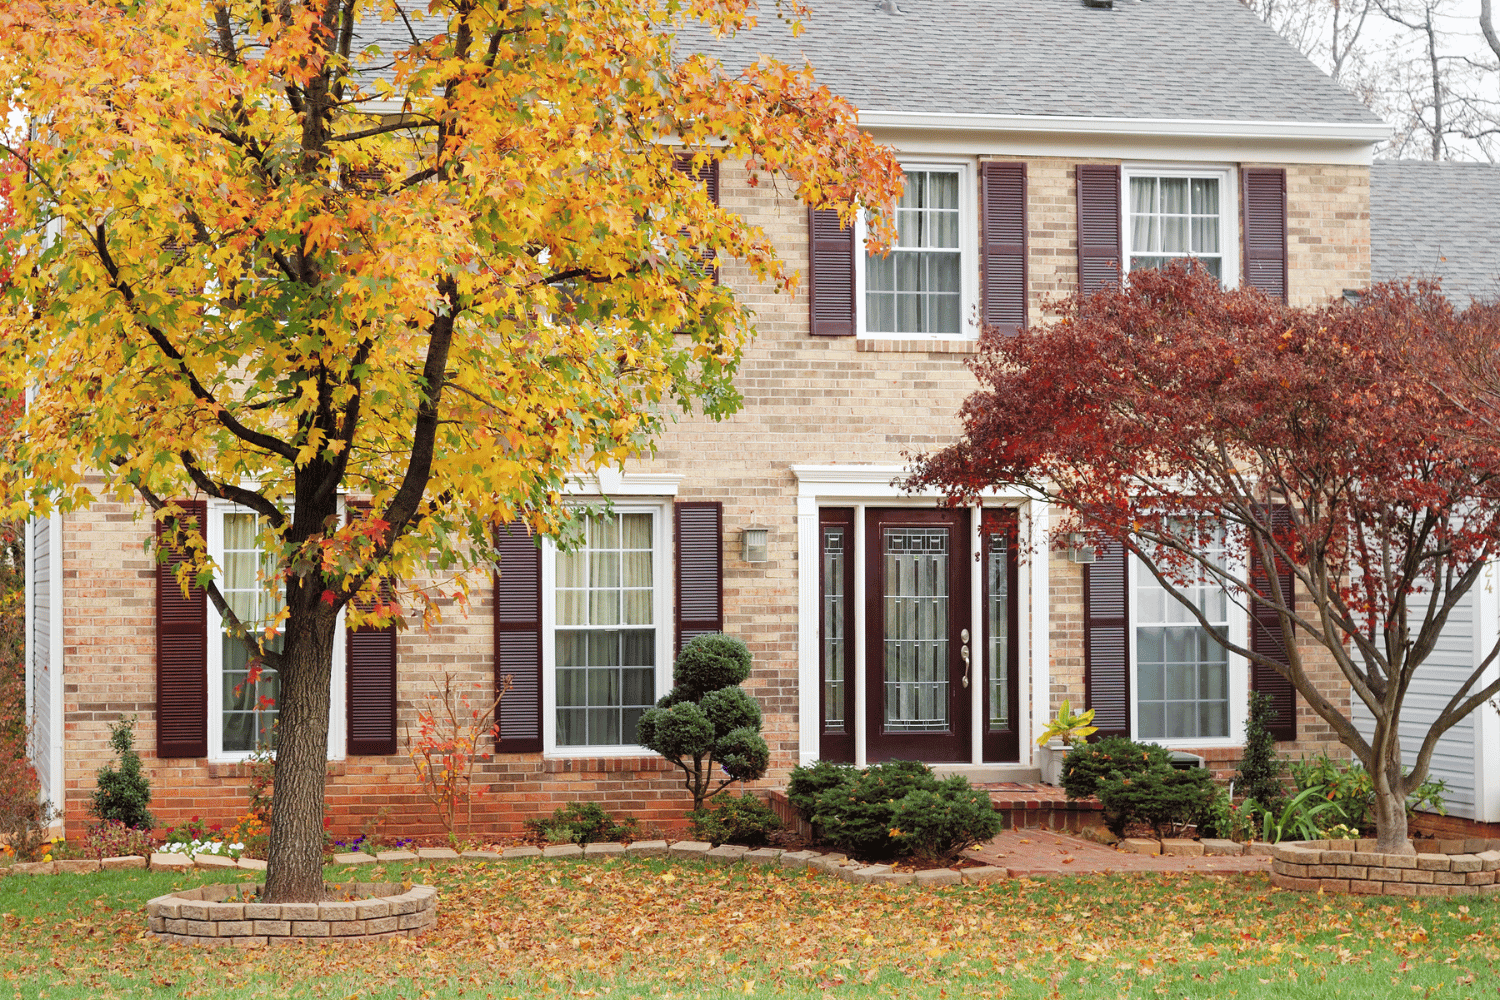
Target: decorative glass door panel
[[919, 644], [1001, 736]]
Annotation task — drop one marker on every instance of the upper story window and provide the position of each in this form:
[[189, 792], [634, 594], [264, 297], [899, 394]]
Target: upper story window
[[1173, 213], [926, 286]]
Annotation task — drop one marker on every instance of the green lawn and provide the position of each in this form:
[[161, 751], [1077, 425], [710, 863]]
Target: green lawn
[[655, 929]]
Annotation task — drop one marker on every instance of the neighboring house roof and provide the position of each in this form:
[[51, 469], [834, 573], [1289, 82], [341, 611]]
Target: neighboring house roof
[[1431, 219], [1142, 59]]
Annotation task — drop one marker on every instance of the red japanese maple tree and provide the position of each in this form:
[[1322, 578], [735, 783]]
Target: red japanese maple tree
[[1351, 446]]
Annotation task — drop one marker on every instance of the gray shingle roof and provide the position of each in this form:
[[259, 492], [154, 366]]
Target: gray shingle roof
[[1153, 59], [1437, 220]]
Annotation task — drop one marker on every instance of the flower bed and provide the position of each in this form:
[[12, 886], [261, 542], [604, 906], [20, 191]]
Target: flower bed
[[233, 915], [1453, 868]]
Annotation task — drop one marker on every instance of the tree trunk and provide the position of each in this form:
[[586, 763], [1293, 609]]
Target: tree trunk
[[1390, 803], [294, 872]]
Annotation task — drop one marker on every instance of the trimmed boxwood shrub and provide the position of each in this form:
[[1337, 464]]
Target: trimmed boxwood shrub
[[894, 809], [738, 819], [1087, 763], [1162, 796]]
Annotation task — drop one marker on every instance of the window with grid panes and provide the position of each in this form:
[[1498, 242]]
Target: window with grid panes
[[1168, 217], [606, 631], [1182, 671], [250, 695], [917, 287]]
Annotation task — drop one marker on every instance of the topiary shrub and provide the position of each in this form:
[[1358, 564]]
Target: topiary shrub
[[899, 808], [1259, 776], [122, 795], [808, 782], [1165, 797], [1087, 763], [582, 823], [743, 819], [706, 724]]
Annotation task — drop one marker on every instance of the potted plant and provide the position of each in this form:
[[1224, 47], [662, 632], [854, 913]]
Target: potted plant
[[1058, 738]]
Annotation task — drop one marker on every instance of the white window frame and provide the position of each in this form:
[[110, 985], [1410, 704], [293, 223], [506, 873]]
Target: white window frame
[[661, 568], [1239, 671], [215, 622], [968, 246], [1229, 210]]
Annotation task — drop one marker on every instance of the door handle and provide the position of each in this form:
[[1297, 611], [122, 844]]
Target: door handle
[[963, 652]]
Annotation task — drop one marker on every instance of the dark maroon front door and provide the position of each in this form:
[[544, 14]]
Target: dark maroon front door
[[921, 647]]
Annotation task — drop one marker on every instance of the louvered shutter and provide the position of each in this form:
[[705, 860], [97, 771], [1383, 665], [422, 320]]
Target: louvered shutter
[[708, 176], [1265, 230], [1099, 245], [370, 682], [1106, 646], [830, 274], [181, 653], [1267, 638], [518, 639], [1002, 204], [700, 568]]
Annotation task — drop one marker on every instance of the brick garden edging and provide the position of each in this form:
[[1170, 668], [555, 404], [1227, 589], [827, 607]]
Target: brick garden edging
[[231, 915], [1456, 868]]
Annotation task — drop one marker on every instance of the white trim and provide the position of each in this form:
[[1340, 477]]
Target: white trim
[[1194, 128], [968, 248], [337, 745], [1238, 680], [1229, 216], [1486, 720], [661, 566], [863, 486], [50, 793]]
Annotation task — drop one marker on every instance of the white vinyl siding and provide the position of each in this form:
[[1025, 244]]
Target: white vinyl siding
[[40, 639], [1448, 666]]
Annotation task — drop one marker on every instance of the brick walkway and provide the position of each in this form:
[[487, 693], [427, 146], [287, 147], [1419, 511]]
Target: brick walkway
[[1040, 854]]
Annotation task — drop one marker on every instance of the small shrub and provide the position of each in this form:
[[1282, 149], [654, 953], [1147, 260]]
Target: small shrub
[[1087, 763], [808, 783], [1165, 797], [1223, 819], [898, 808], [1347, 785], [23, 815], [113, 839], [1259, 776], [122, 794], [938, 825], [741, 819], [582, 823]]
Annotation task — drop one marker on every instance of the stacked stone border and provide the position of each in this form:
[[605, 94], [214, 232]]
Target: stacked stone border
[[231, 915], [1454, 868]]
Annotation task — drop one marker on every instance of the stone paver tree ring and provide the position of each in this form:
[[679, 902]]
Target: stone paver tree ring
[[234, 915]]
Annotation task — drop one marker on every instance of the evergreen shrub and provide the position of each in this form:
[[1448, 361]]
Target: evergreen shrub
[[123, 793]]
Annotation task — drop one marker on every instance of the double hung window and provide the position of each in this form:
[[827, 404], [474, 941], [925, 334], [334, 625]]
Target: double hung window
[[926, 285], [607, 629], [1173, 214]]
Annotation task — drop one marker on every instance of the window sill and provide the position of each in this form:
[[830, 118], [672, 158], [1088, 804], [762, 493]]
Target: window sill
[[646, 761], [241, 768], [918, 346]]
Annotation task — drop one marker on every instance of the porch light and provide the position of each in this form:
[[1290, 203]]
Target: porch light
[[1079, 550], [754, 543]]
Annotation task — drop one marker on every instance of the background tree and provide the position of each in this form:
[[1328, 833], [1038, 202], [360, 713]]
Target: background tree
[[267, 262], [1336, 444], [707, 725]]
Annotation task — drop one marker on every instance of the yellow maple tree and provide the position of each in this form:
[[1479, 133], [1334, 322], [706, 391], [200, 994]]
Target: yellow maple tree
[[266, 260]]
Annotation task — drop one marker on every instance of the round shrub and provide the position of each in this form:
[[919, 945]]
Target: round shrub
[[741, 819], [1087, 763], [939, 825], [680, 731], [730, 709], [808, 782], [743, 753], [708, 663]]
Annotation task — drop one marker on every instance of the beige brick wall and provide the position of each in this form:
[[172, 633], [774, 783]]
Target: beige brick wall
[[807, 400]]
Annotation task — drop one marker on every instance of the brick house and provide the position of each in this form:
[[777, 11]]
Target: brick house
[[1045, 148]]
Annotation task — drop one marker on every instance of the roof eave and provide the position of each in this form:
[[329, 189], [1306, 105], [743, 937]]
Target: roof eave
[[1186, 128]]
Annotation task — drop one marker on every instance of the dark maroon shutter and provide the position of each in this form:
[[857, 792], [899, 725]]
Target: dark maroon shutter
[[1106, 646], [370, 681], [181, 652], [708, 176], [1267, 638], [700, 568], [1002, 244], [1099, 246], [518, 639], [1265, 230], [830, 274]]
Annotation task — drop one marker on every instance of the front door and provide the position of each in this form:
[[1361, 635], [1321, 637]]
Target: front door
[[920, 642]]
